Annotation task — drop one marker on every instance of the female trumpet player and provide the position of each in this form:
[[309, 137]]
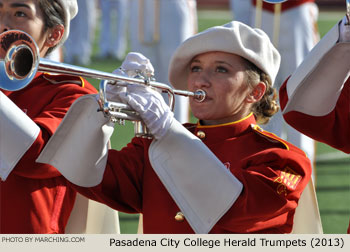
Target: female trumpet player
[[223, 174], [35, 198]]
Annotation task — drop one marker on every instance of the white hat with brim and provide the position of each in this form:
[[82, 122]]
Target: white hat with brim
[[234, 37], [70, 8]]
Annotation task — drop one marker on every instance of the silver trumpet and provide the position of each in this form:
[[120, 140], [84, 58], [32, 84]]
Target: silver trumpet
[[20, 61]]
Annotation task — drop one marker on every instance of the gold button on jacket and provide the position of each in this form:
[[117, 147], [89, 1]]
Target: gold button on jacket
[[179, 217], [201, 134]]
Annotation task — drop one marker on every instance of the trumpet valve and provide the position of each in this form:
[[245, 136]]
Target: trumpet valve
[[141, 130]]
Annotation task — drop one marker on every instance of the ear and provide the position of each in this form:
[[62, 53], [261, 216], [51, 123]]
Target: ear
[[54, 35], [257, 93]]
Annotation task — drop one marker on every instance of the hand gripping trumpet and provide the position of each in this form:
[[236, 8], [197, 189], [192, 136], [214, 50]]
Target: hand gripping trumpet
[[20, 61]]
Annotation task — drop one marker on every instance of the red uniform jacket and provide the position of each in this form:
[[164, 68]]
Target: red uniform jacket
[[35, 197], [332, 129], [284, 6], [273, 174]]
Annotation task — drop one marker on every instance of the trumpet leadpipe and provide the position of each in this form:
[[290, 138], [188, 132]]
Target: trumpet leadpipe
[[62, 68]]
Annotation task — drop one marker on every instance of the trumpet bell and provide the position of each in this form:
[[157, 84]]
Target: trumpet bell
[[19, 59]]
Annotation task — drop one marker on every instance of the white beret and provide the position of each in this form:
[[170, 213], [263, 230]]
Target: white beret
[[70, 8], [234, 37]]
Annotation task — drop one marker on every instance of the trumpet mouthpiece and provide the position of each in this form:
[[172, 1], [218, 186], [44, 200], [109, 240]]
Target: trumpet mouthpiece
[[199, 95]]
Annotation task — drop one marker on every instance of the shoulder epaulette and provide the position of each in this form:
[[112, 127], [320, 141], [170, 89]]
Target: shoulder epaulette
[[269, 136], [64, 79], [275, 139]]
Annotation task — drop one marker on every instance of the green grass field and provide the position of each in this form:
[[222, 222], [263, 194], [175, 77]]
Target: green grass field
[[332, 174]]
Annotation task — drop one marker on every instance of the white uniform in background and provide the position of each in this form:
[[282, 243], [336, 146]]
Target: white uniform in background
[[78, 47], [242, 11], [297, 35], [113, 36], [156, 29]]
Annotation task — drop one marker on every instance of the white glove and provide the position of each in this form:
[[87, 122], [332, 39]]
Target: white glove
[[344, 31], [153, 110], [135, 64]]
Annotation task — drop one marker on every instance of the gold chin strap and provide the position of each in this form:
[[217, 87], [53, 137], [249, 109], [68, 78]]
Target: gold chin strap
[[156, 27]]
